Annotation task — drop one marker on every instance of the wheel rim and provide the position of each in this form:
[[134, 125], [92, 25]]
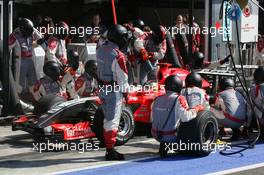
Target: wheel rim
[[124, 124], [208, 133]]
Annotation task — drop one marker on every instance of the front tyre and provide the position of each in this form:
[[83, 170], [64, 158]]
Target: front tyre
[[125, 129]]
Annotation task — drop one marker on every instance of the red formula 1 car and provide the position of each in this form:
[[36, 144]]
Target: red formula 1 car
[[81, 118], [56, 119]]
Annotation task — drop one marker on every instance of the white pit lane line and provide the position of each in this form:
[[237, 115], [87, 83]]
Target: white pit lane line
[[239, 169], [112, 162], [104, 165]]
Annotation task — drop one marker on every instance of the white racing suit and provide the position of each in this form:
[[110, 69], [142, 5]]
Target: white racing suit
[[85, 85], [230, 108], [257, 96], [167, 111], [46, 86], [132, 64], [113, 77], [56, 51], [23, 49], [196, 96], [145, 41], [69, 79], [64, 87]]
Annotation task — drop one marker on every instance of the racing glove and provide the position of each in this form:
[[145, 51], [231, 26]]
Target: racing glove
[[225, 60], [199, 108], [144, 55], [151, 56]]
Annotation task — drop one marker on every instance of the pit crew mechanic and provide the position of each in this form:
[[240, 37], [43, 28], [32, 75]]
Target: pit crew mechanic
[[230, 107], [56, 50], [72, 70], [200, 63], [23, 39], [193, 92], [112, 72], [135, 27], [168, 110], [59, 81], [86, 85], [151, 47], [51, 83], [257, 94]]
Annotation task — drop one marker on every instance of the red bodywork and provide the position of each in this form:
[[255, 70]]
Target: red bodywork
[[76, 131], [80, 130], [167, 70], [145, 98]]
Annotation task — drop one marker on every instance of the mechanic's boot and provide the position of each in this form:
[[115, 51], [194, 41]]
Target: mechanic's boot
[[221, 132], [162, 149], [112, 154], [244, 133], [236, 134]]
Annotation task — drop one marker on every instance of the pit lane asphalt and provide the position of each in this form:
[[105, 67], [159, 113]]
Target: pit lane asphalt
[[18, 157]]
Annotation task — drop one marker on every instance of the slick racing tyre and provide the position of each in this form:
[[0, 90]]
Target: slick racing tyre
[[198, 136], [46, 102], [125, 129]]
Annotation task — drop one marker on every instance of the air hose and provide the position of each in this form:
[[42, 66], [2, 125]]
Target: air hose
[[247, 143]]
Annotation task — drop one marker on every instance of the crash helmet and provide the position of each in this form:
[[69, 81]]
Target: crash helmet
[[259, 75], [62, 30], [159, 34], [26, 27], [198, 58], [118, 34], [226, 83], [193, 79], [52, 70], [139, 24], [73, 59], [91, 68], [173, 83]]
